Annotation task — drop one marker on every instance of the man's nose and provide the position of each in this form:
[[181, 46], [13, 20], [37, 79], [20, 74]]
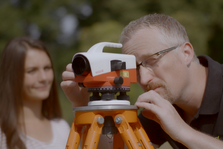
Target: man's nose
[[145, 75]]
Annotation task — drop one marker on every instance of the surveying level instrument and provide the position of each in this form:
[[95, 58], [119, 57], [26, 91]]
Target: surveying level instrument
[[105, 75]]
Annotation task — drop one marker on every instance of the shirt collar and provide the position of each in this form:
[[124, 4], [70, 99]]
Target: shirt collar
[[213, 90]]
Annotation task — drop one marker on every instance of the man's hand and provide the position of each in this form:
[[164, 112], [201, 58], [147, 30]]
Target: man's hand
[[76, 95], [163, 112]]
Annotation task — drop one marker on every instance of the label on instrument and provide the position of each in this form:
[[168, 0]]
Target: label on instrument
[[124, 73]]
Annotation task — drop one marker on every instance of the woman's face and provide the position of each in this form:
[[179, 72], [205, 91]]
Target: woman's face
[[38, 75]]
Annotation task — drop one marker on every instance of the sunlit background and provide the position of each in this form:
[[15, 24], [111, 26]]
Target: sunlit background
[[70, 26]]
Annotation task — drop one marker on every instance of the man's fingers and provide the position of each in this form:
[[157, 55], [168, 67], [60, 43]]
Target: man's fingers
[[67, 76], [69, 67], [150, 115], [68, 85], [150, 111], [148, 106], [150, 97]]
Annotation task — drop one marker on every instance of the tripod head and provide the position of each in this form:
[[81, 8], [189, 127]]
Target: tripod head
[[105, 74]]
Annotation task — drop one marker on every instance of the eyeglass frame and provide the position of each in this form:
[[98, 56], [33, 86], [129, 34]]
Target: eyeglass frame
[[157, 54]]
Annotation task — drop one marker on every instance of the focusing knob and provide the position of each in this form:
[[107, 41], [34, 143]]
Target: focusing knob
[[118, 81]]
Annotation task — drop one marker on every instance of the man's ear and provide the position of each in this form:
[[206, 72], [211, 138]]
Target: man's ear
[[188, 53]]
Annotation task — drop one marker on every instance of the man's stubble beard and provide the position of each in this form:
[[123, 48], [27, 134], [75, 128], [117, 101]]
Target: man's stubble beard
[[163, 91]]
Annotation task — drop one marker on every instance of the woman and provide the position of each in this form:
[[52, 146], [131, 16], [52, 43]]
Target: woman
[[30, 114]]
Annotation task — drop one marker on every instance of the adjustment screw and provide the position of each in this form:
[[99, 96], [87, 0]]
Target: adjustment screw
[[100, 120], [118, 80], [118, 120]]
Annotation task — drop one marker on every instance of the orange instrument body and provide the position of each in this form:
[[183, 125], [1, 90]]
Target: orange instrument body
[[129, 76]]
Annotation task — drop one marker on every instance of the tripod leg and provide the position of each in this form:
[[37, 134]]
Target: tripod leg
[[126, 132], [74, 136], [141, 135], [84, 134], [94, 132], [118, 142]]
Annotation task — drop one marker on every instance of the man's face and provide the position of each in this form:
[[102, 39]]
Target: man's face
[[167, 74]]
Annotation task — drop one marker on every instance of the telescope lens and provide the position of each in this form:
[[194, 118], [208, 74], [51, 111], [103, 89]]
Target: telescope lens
[[80, 65]]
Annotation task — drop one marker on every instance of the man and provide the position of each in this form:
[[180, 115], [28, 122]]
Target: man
[[183, 94]]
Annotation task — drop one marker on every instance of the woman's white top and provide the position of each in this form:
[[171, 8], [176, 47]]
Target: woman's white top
[[60, 129]]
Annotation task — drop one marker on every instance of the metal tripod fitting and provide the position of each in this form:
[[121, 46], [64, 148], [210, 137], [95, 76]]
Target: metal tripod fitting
[[118, 120], [100, 120]]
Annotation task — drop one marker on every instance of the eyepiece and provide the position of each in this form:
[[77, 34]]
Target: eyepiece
[[80, 65]]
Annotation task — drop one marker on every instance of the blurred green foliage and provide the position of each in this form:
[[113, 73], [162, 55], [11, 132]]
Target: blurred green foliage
[[101, 20]]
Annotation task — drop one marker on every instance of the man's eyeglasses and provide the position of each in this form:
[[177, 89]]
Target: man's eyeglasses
[[152, 59]]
